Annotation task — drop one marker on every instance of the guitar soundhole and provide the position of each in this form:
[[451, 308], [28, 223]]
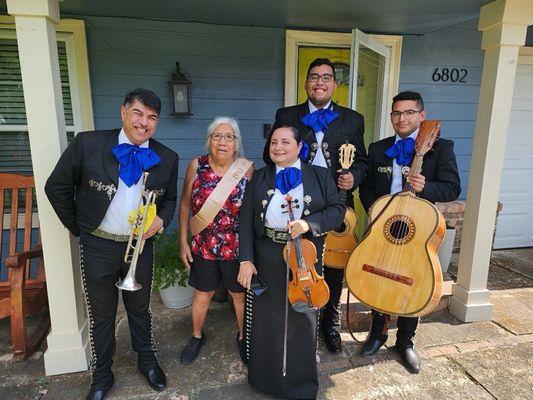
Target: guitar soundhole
[[399, 229]]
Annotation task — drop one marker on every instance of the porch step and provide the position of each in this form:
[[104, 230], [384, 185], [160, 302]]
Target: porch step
[[360, 315]]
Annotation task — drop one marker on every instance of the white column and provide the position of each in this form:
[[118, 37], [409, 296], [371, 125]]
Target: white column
[[504, 25], [35, 21]]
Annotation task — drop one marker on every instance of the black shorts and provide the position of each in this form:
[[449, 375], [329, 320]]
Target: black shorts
[[207, 275]]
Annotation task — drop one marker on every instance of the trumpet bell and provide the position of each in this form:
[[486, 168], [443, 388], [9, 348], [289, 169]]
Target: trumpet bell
[[129, 283]]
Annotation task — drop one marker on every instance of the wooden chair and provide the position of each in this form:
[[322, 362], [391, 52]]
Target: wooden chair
[[23, 294]]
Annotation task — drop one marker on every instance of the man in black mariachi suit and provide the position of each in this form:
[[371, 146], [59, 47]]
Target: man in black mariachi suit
[[389, 160], [96, 183], [326, 126]]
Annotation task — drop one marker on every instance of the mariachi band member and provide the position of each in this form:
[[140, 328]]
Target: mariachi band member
[[95, 185], [282, 347], [212, 193], [438, 181], [326, 126]]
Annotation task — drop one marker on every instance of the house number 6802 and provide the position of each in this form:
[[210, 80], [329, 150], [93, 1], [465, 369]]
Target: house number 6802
[[449, 75]]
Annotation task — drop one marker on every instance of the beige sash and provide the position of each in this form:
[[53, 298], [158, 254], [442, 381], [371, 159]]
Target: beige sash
[[219, 195]]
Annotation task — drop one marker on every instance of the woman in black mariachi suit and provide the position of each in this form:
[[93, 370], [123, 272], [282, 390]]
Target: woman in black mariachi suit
[[263, 232]]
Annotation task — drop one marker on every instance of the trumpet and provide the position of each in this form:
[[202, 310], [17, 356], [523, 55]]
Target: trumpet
[[138, 224]]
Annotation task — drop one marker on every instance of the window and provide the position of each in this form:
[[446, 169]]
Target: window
[[15, 155]]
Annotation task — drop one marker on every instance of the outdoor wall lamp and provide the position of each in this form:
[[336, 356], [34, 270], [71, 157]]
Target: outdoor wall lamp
[[180, 92]]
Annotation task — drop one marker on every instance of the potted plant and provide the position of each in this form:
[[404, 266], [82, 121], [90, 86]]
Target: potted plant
[[170, 274]]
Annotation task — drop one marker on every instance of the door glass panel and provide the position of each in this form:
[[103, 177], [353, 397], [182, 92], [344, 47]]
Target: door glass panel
[[369, 84], [370, 91]]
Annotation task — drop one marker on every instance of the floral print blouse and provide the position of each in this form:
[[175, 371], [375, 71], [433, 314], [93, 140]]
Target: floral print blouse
[[220, 239]]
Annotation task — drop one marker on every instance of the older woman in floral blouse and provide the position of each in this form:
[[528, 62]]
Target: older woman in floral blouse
[[212, 256]]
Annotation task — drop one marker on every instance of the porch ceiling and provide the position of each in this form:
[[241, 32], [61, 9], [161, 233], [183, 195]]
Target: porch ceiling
[[376, 16]]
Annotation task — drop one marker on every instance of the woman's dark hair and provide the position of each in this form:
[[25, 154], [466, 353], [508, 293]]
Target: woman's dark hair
[[295, 132]]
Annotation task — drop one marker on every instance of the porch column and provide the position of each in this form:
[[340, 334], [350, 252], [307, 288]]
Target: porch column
[[36, 38], [504, 25]]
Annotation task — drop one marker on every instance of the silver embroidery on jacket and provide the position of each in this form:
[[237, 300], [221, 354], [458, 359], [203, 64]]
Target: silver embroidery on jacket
[[100, 186]]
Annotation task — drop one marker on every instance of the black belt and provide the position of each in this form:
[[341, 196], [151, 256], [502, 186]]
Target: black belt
[[277, 235]]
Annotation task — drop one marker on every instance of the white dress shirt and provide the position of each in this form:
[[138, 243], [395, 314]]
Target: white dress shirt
[[319, 158], [126, 199], [397, 184], [276, 216]]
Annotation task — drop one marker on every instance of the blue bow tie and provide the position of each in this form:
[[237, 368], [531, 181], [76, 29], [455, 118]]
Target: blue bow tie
[[320, 119], [133, 161], [288, 179], [304, 151], [403, 151]]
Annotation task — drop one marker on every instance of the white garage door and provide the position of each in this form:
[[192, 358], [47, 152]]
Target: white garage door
[[515, 223]]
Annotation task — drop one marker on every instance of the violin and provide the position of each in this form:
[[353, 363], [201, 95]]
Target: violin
[[307, 290]]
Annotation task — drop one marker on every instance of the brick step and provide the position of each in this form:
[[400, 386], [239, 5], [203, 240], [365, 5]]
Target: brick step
[[361, 316]]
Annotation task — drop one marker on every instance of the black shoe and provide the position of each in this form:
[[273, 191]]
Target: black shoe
[[372, 345], [97, 394], [409, 358], [155, 377], [241, 347], [191, 350], [333, 341]]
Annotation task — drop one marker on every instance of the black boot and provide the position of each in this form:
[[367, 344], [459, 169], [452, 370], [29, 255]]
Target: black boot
[[155, 376], [372, 345], [409, 358]]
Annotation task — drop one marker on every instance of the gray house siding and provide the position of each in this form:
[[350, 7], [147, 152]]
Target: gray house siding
[[455, 103], [235, 71]]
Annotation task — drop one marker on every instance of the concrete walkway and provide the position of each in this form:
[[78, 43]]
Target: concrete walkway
[[485, 360]]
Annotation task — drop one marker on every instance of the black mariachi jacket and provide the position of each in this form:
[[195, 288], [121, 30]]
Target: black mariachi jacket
[[322, 208], [439, 168], [85, 180], [349, 127]]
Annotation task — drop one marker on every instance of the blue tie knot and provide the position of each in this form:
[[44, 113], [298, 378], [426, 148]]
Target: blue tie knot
[[403, 151], [134, 160], [319, 120], [287, 179]]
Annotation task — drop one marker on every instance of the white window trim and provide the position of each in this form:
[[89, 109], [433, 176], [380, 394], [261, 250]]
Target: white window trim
[[72, 32]]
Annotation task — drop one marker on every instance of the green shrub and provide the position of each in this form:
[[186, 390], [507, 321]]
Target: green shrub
[[169, 270]]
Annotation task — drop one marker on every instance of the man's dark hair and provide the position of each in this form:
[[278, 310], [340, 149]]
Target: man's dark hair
[[145, 97], [317, 62], [408, 95]]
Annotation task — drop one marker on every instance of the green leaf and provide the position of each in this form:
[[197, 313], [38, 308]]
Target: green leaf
[[169, 270]]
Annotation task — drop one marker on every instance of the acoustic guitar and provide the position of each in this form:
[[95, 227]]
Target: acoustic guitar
[[395, 268], [341, 242]]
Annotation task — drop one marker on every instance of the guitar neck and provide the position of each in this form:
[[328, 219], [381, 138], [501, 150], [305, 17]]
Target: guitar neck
[[343, 193], [416, 168]]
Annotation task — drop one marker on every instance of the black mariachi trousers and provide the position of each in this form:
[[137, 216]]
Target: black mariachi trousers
[[334, 277], [102, 265], [406, 328]]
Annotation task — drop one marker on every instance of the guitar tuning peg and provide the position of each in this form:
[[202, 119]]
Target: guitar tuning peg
[[295, 201], [283, 205], [297, 206]]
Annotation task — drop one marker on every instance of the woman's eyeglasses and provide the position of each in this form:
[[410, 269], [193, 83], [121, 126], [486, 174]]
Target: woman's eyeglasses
[[217, 137]]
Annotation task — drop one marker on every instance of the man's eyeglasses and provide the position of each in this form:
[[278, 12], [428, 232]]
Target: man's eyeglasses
[[326, 78], [407, 114], [217, 137]]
